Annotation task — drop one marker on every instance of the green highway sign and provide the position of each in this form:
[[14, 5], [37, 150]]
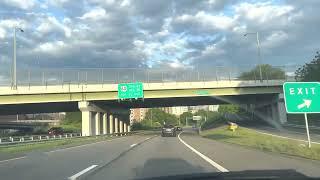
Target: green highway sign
[[130, 90], [302, 97]]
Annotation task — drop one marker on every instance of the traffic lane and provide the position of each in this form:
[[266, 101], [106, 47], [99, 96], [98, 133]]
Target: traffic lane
[[160, 156], [238, 158], [66, 162]]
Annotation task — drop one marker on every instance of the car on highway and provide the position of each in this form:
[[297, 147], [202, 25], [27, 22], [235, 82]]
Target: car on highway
[[168, 130], [178, 128], [55, 131]]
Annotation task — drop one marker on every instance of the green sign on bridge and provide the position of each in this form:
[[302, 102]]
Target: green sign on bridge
[[130, 90], [302, 97]]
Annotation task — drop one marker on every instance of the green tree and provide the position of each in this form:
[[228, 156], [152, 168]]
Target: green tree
[[185, 115], [229, 108], [309, 71], [268, 72], [72, 122], [157, 115], [72, 118]]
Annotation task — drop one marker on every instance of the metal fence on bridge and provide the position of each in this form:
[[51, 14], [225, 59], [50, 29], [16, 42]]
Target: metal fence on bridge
[[51, 76]]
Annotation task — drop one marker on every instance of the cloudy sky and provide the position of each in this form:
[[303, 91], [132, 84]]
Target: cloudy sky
[[158, 33]]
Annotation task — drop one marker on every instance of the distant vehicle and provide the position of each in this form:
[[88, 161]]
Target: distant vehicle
[[178, 128], [55, 131], [168, 130]]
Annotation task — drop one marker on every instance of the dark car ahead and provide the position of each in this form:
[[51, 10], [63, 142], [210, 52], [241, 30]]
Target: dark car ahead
[[55, 131], [168, 130], [179, 128]]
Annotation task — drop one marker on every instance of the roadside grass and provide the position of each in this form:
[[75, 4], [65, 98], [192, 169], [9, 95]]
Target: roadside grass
[[250, 138], [49, 145]]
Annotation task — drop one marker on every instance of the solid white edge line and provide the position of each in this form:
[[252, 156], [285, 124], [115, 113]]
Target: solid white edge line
[[132, 145], [82, 172], [214, 164], [283, 137], [13, 159]]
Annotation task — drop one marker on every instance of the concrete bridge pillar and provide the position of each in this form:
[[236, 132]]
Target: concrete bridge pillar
[[91, 118], [125, 127], [121, 126], [129, 128], [111, 130], [87, 123], [105, 123], [97, 123], [279, 112], [116, 126], [282, 112]]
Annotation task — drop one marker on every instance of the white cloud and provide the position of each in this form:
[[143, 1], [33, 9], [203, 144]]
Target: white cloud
[[275, 39], [262, 12], [125, 3], [95, 14], [51, 24], [208, 21], [22, 4], [11, 23], [58, 3], [2, 33], [212, 50], [51, 47]]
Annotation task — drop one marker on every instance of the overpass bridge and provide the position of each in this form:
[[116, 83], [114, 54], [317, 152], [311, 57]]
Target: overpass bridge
[[103, 112]]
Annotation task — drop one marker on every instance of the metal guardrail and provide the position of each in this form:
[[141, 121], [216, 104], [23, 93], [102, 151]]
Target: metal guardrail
[[41, 138], [51, 76]]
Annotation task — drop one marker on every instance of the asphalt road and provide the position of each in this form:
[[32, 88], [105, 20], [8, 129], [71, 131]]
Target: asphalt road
[[61, 164], [147, 156]]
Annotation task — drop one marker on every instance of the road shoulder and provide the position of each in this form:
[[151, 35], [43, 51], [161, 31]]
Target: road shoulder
[[238, 158]]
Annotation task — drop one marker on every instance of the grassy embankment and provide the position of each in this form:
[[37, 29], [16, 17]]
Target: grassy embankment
[[48, 145], [250, 138]]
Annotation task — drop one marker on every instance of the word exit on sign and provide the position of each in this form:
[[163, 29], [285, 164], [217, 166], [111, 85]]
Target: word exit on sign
[[302, 97]]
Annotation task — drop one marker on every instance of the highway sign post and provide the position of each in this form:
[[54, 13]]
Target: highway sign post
[[130, 90], [302, 98]]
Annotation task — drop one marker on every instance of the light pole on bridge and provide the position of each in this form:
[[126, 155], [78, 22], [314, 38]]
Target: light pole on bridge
[[14, 63], [259, 51]]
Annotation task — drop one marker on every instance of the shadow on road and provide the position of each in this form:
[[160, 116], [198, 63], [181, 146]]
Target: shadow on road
[[166, 166]]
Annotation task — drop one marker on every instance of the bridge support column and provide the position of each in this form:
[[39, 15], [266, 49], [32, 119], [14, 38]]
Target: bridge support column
[[91, 118], [116, 127], [125, 127], [86, 123], [98, 123], [282, 112], [121, 127], [279, 112], [129, 128], [105, 123], [111, 130]]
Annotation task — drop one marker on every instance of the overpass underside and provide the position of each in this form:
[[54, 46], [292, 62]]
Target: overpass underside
[[72, 106], [102, 112]]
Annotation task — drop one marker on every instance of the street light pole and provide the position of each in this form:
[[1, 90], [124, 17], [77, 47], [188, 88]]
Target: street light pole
[[259, 53], [14, 63], [259, 56]]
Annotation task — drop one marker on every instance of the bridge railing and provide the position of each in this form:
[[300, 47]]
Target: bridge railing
[[51, 76]]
